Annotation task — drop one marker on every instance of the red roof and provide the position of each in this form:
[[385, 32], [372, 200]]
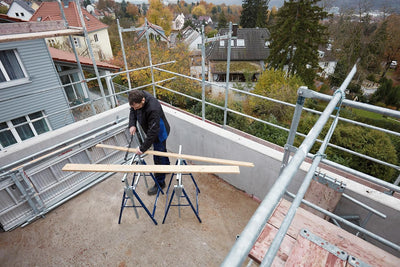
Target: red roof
[[60, 55], [51, 11]]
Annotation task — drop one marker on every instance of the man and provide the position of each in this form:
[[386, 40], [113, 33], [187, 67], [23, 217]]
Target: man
[[146, 110]]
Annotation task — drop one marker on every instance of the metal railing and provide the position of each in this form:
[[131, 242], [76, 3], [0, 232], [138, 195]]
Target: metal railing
[[243, 245]]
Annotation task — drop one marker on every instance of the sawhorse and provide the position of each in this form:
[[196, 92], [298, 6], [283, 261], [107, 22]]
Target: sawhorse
[[130, 191], [181, 193]]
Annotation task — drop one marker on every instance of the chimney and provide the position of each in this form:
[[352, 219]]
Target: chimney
[[234, 29]]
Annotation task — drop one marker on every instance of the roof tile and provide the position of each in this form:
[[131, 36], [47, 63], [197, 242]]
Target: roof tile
[[51, 11]]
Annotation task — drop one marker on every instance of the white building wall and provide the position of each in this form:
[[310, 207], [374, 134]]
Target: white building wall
[[16, 11]]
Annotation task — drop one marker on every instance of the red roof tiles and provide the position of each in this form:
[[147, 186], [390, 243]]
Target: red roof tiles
[[60, 55], [51, 11]]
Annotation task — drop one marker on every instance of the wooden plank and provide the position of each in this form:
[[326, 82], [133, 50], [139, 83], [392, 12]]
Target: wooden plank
[[307, 253], [151, 168], [338, 237], [323, 196], [263, 242], [182, 156]]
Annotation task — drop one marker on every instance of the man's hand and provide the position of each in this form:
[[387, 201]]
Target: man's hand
[[138, 152], [132, 130]]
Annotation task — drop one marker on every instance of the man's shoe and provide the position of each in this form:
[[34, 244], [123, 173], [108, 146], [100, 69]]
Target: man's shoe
[[153, 190]]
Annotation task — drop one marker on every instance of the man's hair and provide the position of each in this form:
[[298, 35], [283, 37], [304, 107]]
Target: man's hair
[[135, 96]]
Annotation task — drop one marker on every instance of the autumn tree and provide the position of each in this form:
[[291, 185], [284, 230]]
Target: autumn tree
[[198, 11], [133, 11], [296, 37], [275, 84], [254, 13], [392, 42], [160, 15]]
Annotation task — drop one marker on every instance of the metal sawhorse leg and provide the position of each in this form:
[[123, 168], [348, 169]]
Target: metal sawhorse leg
[[181, 193], [130, 191]]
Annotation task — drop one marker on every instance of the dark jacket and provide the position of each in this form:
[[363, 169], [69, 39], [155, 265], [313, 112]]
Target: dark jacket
[[149, 118]]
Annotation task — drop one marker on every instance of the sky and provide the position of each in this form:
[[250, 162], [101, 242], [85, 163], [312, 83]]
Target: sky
[[277, 3]]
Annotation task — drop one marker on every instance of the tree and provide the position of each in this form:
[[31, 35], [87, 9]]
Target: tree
[[198, 11], [160, 15], [275, 84], [296, 38], [392, 42], [222, 21], [254, 13], [132, 10]]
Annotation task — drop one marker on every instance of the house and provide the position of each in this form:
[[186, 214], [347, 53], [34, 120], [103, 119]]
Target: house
[[6, 3], [69, 72], [249, 50], [327, 62], [6, 19], [97, 31], [191, 38], [178, 22], [21, 10], [205, 20], [33, 98], [155, 32]]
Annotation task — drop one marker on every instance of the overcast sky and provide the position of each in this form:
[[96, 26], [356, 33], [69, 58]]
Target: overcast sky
[[276, 3]]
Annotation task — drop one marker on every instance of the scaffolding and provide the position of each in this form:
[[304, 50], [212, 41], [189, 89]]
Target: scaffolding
[[36, 203]]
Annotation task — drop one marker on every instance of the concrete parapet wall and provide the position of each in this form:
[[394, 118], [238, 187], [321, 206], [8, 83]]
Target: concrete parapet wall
[[205, 139]]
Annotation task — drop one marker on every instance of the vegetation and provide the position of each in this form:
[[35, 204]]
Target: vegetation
[[292, 46], [254, 14], [296, 38]]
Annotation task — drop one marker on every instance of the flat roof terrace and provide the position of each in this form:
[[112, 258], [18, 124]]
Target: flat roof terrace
[[85, 230]]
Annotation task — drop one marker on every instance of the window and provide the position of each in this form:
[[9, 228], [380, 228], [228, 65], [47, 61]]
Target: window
[[22, 128], [240, 42], [96, 39], [76, 42], [16, 14], [221, 43], [10, 66], [232, 43]]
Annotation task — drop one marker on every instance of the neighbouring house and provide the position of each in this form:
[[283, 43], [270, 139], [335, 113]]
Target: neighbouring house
[[205, 20], [191, 38], [155, 33], [178, 22], [95, 12], [97, 31], [249, 50], [368, 88], [327, 62], [6, 19], [21, 10], [6, 3], [33, 98], [67, 68]]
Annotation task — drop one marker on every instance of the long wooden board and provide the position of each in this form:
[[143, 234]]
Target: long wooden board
[[151, 168], [182, 156]]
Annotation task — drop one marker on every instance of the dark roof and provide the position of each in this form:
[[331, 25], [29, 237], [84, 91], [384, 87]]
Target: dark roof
[[254, 48]]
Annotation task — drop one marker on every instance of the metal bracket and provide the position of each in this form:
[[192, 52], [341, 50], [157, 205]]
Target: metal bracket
[[336, 185], [353, 261], [290, 148], [324, 244]]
